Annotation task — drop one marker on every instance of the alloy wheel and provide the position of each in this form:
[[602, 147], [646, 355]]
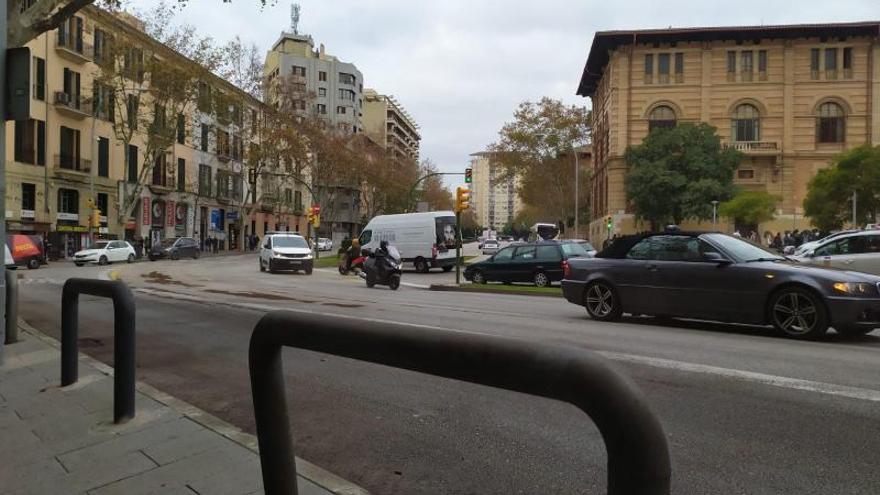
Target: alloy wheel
[[600, 300], [541, 279], [794, 313]]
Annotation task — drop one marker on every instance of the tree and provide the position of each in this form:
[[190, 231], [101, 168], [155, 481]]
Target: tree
[[750, 207], [433, 191], [829, 193], [676, 173], [537, 148]]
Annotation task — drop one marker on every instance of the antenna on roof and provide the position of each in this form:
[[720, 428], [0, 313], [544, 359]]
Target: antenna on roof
[[294, 18]]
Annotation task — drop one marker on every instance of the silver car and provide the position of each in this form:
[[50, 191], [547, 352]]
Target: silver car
[[856, 251], [490, 246]]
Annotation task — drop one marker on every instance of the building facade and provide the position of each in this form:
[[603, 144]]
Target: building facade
[[788, 97], [494, 197], [389, 125], [69, 154], [334, 88]]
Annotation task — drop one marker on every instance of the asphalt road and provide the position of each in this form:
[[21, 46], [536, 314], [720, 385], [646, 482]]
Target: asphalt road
[[745, 412]]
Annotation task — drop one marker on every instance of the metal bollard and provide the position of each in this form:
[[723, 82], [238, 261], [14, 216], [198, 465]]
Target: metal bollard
[[11, 307], [123, 336], [638, 455]]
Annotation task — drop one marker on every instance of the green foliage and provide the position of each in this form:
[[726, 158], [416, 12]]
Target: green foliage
[[750, 207], [829, 195], [676, 173]]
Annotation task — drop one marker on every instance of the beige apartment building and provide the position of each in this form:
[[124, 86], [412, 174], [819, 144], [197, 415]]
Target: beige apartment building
[[389, 125], [68, 154], [494, 198], [788, 97]]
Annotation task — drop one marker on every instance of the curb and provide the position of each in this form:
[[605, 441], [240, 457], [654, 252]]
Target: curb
[[317, 475], [452, 288]]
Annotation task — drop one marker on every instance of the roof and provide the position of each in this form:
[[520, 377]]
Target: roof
[[606, 41]]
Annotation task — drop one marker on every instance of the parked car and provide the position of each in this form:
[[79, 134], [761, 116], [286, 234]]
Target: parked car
[[325, 244], [858, 251], [540, 263], [714, 276], [809, 246], [490, 246], [104, 252], [285, 251], [175, 248]]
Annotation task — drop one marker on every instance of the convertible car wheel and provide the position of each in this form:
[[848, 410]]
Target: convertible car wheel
[[602, 302]]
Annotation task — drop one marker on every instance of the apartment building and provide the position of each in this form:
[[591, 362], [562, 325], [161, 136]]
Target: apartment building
[[388, 124], [494, 197], [789, 97], [332, 89], [69, 153]]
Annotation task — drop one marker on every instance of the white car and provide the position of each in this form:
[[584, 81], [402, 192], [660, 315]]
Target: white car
[[490, 246], [857, 251], [325, 244], [104, 252], [285, 251]]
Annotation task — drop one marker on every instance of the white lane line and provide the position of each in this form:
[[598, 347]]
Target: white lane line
[[748, 376]]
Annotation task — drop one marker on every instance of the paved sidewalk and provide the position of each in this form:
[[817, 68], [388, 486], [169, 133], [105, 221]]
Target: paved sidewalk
[[63, 441]]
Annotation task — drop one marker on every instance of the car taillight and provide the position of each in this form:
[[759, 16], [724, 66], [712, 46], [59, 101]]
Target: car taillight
[[566, 269], [434, 250]]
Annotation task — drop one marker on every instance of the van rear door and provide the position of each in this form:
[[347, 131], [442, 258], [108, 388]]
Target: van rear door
[[446, 235]]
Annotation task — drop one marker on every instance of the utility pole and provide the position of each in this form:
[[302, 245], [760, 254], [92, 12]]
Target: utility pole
[[457, 247], [3, 75], [576, 195], [855, 217], [714, 214]]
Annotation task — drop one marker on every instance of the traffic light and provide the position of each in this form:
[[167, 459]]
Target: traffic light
[[609, 222], [468, 175], [95, 221], [462, 199], [315, 216]]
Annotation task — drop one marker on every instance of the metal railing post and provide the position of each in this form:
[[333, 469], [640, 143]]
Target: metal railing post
[[11, 307], [123, 336], [638, 455]]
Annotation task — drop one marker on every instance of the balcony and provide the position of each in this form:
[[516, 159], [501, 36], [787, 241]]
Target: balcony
[[74, 49], [72, 105], [71, 165], [755, 147]]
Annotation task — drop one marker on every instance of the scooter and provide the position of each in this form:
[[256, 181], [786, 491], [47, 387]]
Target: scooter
[[357, 265], [383, 268]]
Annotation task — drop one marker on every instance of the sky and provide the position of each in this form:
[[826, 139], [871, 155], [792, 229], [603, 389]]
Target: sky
[[461, 67]]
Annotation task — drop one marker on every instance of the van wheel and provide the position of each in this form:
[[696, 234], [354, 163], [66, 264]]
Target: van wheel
[[421, 265], [33, 264]]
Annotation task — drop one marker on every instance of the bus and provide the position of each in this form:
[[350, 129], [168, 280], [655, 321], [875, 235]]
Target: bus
[[543, 232]]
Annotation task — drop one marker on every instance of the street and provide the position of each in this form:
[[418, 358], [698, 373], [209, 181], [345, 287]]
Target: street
[[743, 410]]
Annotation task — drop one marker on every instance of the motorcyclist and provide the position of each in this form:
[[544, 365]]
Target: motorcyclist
[[353, 253], [381, 254]]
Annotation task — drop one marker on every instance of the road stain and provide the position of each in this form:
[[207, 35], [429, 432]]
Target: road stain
[[260, 295], [342, 305], [155, 277]]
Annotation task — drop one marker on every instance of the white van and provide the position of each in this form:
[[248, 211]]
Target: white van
[[427, 240]]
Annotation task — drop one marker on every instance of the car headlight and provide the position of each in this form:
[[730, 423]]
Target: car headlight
[[276, 254], [308, 257], [856, 288]]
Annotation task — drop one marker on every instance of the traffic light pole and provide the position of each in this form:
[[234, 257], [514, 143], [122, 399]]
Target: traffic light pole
[[457, 247], [3, 76]]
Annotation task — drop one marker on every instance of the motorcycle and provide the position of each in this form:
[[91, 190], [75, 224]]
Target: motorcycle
[[357, 265], [383, 268]]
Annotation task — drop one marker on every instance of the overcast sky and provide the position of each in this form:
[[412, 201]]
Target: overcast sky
[[460, 67]]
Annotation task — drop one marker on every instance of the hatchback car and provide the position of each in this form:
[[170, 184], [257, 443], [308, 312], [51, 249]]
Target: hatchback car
[[104, 252], [858, 251], [490, 246], [175, 248], [325, 244], [713, 276], [285, 251], [540, 263]]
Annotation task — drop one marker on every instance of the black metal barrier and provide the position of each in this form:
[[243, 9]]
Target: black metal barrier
[[123, 336], [638, 456]]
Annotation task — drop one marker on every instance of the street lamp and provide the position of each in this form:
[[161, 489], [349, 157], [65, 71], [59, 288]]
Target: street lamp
[[714, 214]]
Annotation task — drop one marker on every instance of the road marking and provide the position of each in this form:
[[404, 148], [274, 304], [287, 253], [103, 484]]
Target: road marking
[[748, 376]]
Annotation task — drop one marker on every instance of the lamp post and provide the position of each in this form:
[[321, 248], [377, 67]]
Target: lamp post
[[576, 199], [714, 214], [855, 216]]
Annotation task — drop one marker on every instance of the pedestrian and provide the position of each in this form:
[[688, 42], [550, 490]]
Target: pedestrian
[[777, 242], [256, 242]]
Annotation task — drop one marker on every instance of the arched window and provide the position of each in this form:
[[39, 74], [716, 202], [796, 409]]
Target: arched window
[[746, 123], [661, 117], [831, 123]]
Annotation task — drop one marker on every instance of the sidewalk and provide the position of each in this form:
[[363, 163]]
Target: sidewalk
[[63, 440]]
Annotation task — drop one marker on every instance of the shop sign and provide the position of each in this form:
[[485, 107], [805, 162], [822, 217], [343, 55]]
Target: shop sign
[[27, 214], [232, 216], [158, 213], [103, 230], [68, 216], [145, 214], [71, 228], [215, 220]]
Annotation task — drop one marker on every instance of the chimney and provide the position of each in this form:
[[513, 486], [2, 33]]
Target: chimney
[[322, 49]]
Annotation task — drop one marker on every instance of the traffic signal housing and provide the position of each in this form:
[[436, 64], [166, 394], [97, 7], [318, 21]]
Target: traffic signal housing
[[468, 175], [609, 222], [95, 220], [462, 199], [315, 216]]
